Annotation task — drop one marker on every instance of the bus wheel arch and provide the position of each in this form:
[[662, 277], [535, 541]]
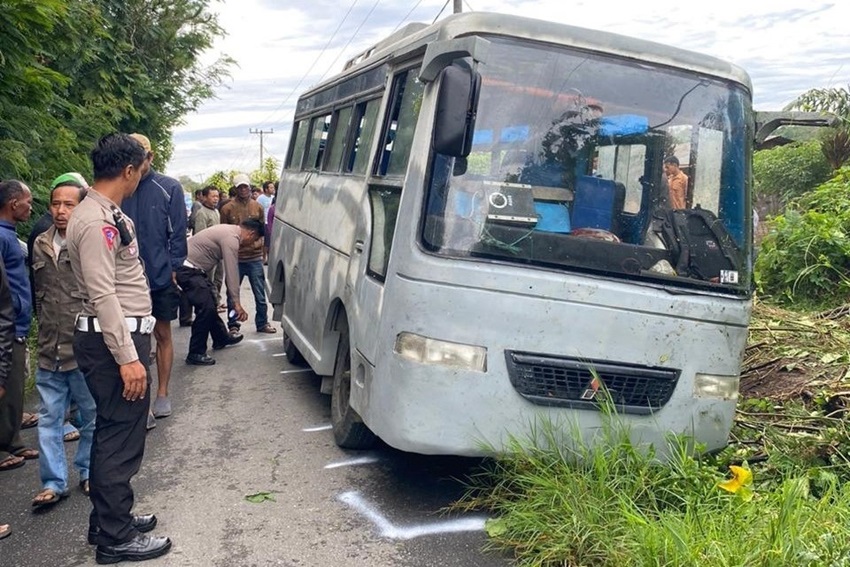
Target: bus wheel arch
[[350, 432]]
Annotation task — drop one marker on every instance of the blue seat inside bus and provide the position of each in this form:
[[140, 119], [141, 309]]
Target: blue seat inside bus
[[598, 203]]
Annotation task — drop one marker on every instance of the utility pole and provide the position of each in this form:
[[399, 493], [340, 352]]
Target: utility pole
[[458, 6], [261, 132]]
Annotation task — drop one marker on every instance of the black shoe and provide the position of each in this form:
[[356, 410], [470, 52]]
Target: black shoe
[[231, 340], [140, 548], [200, 360], [142, 524]]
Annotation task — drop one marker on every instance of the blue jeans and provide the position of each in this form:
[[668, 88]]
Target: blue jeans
[[56, 390], [257, 279]]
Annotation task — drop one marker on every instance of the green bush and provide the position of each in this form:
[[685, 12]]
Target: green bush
[[804, 261], [616, 505], [790, 171]]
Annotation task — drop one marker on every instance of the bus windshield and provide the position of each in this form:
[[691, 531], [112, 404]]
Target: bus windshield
[[593, 163]]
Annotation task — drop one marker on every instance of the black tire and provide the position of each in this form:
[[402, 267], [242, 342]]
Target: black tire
[[293, 355], [349, 430]]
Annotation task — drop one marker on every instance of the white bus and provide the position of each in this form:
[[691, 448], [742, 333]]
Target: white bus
[[474, 232]]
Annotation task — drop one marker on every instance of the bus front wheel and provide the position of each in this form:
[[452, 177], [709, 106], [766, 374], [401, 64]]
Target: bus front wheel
[[349, 430], [293, 355]]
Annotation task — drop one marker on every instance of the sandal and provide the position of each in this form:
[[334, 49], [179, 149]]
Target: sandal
[[85, 487], [29, 420], [11, 462], [27, 453], [268, 329], [5, 531], [47, 497], [71, 436]]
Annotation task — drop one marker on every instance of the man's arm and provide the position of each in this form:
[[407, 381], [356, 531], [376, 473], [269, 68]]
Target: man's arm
[[230, 259], [177, 241], [7, 329]]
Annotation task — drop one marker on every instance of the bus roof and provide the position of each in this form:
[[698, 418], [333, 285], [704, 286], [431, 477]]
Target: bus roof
[[413, 37]]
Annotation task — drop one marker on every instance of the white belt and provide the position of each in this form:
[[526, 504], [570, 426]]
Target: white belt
[[142, 325], [189, 264]]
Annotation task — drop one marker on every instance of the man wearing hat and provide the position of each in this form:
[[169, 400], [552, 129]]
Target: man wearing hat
[[237, 211], [158, 210]]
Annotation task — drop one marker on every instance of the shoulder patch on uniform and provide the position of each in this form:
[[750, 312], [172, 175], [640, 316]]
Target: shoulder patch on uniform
[[110, 234]]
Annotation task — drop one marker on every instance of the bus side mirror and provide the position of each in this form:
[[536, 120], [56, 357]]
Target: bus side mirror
[[457, 102]]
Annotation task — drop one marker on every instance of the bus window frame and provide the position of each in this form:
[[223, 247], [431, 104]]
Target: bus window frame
[[387, 107]]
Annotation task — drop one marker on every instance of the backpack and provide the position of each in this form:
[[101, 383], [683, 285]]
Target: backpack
[[701, 246]]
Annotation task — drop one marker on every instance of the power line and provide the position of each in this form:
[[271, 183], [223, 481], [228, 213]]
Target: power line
[[406, 16], [261, 132], [375, 5], [440, 13]]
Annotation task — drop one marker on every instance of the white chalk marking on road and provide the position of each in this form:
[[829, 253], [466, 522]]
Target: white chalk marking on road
[[327, 427], [368, 460], [389, 530], [295, 371], [279, 354]]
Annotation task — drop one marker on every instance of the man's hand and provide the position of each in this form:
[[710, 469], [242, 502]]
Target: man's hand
[[135, 380], [2, 392], [241, 314]]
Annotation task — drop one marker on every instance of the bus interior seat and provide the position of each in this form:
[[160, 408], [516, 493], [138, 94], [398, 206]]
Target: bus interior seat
[[598, 203]]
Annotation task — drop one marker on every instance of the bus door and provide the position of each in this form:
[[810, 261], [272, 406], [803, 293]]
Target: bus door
[[376, 228]]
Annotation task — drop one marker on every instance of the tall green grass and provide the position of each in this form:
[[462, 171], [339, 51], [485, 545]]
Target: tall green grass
[[611, 503]]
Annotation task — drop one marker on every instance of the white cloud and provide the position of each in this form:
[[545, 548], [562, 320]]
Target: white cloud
[[786, 46]]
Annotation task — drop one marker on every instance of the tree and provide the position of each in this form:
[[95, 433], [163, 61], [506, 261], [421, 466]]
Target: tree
[[269, 172], [835, 101]]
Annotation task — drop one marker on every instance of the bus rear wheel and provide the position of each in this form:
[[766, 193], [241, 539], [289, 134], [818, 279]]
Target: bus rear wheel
[[293, 355], [349, 430]]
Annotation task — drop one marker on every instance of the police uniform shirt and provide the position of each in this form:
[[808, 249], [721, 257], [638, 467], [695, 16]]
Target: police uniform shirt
[[216, 244], [109, 274]]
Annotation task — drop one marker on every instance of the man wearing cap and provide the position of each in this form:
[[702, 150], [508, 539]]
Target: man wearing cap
[[15, 207], [240, 209], [159, 213], [57, 378], [112, 344]]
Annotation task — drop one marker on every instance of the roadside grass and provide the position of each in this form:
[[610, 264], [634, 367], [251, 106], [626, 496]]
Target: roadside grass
[[556, 501], [614, 504]]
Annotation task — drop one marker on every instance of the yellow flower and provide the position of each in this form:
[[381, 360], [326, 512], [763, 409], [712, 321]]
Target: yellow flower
[[739, 483]]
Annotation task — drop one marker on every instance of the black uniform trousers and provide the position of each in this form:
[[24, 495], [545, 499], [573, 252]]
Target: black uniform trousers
[[119, 435], [198, 289]]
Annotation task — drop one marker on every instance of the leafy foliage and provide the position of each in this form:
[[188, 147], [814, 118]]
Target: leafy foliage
[[73, 71], [805, 259], [789, 171]]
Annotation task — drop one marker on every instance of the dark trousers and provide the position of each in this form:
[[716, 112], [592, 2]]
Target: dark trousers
[[119, 435], [198, 289], [12, 404]]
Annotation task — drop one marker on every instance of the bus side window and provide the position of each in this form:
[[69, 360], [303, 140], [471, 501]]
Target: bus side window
[[318, 140], [365, 117], [299, 142], [401, 123], [339, 137]]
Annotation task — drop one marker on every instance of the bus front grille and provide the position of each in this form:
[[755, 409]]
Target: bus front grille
[[583, 384]]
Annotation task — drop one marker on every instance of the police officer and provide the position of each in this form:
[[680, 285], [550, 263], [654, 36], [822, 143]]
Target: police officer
[[112, 344]]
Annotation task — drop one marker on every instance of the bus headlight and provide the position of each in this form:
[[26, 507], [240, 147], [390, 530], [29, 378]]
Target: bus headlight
[[431, 351], [715, 386]]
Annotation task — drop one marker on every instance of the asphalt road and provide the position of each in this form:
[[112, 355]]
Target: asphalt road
[[255, 424]]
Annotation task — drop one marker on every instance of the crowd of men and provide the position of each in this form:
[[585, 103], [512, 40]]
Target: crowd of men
[[108, 268]]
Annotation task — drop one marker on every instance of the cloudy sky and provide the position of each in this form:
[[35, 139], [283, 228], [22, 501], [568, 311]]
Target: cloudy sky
[[282, 47]]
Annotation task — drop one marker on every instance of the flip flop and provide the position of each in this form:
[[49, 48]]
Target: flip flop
[[29, 420], [11, 462], [5, 531], [28, 453], [71, 436], [53, 499]]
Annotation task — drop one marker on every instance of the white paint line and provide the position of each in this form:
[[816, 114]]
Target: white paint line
[[279, 354], [368, 460], [389, 530], [318, 428], [295, 371], [263, 340]]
